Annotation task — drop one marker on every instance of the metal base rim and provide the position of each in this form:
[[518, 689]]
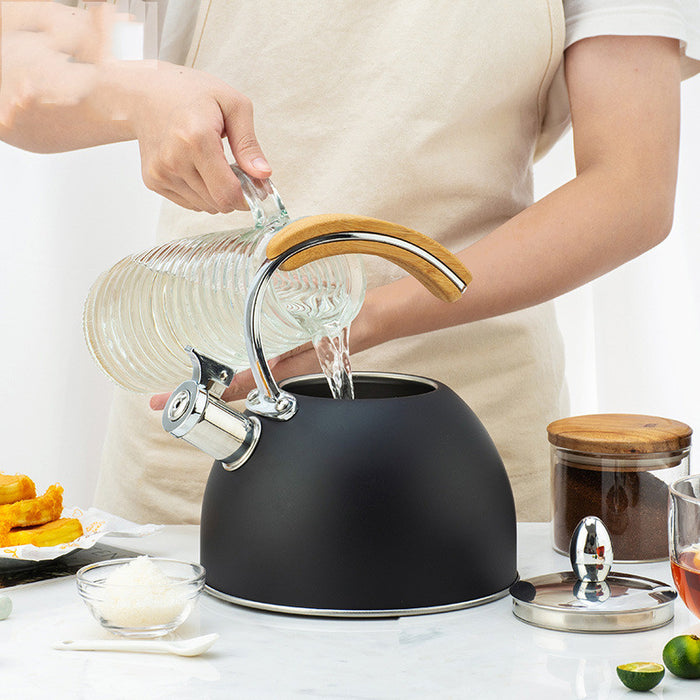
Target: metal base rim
[[327, 612]]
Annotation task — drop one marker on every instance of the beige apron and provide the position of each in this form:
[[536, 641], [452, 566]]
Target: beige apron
[[427, 113]]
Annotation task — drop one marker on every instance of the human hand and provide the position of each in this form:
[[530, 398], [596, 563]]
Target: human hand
[[179, 117], [61, 89]]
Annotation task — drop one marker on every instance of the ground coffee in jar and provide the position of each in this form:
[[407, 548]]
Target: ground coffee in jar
[[618, 468]]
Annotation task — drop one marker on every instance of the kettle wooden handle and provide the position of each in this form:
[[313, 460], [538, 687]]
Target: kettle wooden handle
[[312, 227]]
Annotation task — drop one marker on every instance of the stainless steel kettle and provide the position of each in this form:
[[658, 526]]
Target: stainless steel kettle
[[394, 503]]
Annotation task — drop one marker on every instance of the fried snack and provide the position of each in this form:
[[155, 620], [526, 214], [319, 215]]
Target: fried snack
[[32, 511], [46, 535], [16, 487]]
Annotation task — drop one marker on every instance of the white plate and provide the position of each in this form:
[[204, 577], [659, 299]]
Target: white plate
[[96, 524]]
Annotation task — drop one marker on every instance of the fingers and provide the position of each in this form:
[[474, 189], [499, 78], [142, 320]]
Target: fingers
[[238, 123], [158, 401], [192, 193], [174, 172], [221, 184], [296, 362], [189, 166], [180, 116], [189, 199]]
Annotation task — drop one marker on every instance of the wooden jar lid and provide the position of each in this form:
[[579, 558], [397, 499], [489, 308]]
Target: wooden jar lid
[[619, 433]]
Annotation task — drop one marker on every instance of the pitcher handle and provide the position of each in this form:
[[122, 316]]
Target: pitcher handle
[[313, 238], [263, 200]]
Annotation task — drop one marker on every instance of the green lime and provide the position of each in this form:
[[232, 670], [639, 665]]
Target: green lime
[[640, 675], [682, 656]]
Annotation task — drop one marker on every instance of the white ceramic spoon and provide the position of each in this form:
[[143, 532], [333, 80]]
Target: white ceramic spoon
[[184, 647]]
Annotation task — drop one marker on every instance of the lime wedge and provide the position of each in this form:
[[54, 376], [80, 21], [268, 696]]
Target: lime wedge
[[640, 675]]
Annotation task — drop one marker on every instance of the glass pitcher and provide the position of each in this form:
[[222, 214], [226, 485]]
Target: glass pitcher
[[141, 314]]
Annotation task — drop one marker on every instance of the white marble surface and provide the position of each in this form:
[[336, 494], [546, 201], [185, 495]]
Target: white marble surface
[[482, 652]]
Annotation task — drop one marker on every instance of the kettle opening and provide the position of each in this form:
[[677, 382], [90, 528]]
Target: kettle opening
[[367, 385]]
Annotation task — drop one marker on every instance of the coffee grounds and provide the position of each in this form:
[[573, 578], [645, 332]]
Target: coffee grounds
[[633, 506]]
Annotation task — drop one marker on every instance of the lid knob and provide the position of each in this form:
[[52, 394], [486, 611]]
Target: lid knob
[[583, 600], [590, 550]]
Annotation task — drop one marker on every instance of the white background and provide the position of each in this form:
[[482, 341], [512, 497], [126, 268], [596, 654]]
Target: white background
[[632, 337]]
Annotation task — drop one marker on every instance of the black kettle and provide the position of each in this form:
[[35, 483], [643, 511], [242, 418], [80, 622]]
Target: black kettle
[[394, 503]]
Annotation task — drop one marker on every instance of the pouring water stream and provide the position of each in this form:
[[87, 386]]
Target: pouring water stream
[[333, 354]]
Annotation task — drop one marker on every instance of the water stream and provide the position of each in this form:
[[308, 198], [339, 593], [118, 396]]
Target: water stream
[[333, 353]]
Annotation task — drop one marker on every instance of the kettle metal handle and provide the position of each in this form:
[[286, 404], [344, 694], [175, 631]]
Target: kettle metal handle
[[313, 238]]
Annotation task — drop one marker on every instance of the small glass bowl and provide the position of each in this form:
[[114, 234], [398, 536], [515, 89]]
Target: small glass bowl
[[140, 609]]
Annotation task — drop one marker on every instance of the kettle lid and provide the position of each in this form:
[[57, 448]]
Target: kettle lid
[[588, 598]]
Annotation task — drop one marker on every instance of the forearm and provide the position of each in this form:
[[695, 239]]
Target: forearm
[[624, 94], [178, 115], [102, 104], [580, 231], [67, 129], [55, 61], [61, 89], [91, 118]]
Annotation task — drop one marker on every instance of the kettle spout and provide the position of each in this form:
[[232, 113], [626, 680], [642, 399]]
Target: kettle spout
[[196, 413]]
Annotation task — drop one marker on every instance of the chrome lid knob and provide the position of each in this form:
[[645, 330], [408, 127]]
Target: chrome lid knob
[[590, 550]]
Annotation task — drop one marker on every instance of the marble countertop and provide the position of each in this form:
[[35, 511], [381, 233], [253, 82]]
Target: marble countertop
[[483, 652]]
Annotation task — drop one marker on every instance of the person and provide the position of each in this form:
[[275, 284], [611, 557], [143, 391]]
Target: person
[[422, 113]]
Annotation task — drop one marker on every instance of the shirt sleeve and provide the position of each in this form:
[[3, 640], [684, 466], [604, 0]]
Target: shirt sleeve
[[676, 19]]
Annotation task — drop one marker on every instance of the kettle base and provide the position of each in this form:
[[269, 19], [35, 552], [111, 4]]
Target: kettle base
[[323, 612]]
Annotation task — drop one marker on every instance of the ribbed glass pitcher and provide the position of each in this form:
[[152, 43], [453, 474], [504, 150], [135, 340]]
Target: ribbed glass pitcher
[[141, 314]]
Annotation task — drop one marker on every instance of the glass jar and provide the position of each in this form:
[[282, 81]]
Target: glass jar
[[617, 467], [140, 314]]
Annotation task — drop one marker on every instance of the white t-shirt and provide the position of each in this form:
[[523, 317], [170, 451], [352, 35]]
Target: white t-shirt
[[676, 19]]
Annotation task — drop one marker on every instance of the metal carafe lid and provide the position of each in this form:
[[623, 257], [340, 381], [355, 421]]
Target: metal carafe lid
[[590, 598]]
